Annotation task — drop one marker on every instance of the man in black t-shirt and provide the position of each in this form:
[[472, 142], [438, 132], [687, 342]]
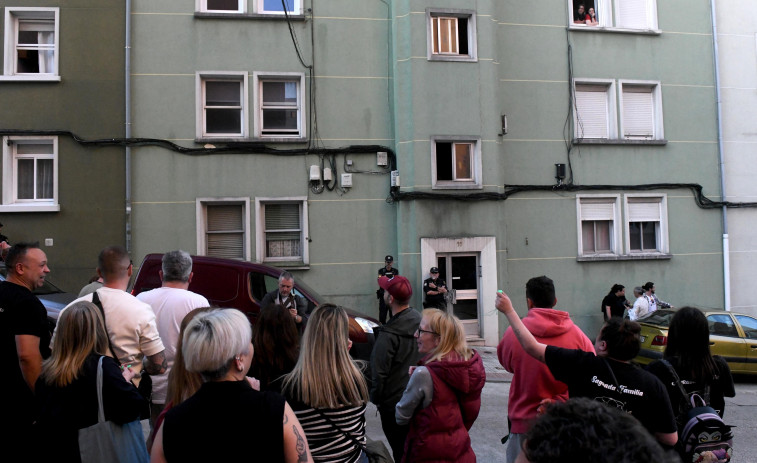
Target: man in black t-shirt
[[615, 303], [24, 342], [390, 272], [608, 376]]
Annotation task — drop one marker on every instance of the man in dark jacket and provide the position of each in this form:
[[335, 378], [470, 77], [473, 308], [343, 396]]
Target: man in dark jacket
[[394, 352], [297, 305]]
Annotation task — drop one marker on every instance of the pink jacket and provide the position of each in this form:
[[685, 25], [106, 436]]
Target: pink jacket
[[532, 381]]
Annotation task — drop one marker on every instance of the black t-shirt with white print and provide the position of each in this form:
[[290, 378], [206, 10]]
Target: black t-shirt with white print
[[636, 391]]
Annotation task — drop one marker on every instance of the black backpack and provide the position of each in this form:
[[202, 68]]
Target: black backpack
[[701, 431]]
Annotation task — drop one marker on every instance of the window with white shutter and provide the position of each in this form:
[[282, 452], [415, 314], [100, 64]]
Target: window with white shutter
[[282, 230], [592, 111], [599, 15], [638, 113], [597, 218], [223, 229], [646, 224]]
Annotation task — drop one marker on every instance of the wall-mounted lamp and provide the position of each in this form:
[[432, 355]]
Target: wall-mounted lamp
[[559, 173], [504, 125]]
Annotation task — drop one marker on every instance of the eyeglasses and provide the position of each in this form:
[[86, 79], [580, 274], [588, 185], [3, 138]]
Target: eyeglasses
[[420, 331]]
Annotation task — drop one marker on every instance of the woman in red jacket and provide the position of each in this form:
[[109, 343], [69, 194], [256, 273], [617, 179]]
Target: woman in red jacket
[[443, 396]]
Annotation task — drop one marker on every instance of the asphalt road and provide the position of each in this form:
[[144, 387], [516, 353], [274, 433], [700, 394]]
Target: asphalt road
[[491, 425]]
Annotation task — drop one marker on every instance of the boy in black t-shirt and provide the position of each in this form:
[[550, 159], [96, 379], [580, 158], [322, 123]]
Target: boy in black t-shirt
[[607, 377]]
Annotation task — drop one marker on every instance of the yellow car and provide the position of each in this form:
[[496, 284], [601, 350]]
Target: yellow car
[[732, 336]]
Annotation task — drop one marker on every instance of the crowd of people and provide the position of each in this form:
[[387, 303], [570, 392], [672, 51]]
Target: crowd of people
[[180, 371]]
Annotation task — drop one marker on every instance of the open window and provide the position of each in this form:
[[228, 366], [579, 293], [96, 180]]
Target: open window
[[628, 15], [455, 163], [451, 35], [31, 43]]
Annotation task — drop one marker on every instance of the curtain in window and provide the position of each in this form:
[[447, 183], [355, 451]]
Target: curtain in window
[[46, 54]]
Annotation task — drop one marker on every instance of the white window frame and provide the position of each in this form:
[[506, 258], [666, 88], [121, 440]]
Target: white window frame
[[586, 213], [201, 6], [655, 111], [258, 79], [201, 78], [10, 201], [610, 16], [296, 8], [201, 205], [662, 244], [611, 107], [260, 241], [476, 169], [466, 15], [12, 17]]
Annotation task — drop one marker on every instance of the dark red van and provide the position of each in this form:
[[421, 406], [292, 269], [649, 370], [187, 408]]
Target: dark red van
[[242, 285]]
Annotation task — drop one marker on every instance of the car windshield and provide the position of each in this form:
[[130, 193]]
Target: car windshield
[[659, 318]]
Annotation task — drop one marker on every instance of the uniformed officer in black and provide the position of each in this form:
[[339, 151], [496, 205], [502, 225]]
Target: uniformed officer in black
[[434, 288], [390, 272]]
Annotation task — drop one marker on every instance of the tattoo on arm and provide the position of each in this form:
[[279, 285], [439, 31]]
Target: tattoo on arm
[[157, 364], [286, 418], [302, 450]]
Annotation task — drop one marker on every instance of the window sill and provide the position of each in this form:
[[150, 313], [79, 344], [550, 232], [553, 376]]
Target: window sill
[[457, 186], [289, 265], [30, 78], [266, 16], [618, 141], [615, 257], [30, 208], [461, 58], [614, 30]]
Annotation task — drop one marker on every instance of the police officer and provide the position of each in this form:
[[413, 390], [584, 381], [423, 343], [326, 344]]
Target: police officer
[[390, 272], [434, 288]]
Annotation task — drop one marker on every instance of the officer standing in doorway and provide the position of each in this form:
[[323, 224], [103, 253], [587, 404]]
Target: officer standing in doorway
[[435, 289]]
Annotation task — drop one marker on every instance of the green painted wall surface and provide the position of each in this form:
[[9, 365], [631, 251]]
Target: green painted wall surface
[[88, 101]]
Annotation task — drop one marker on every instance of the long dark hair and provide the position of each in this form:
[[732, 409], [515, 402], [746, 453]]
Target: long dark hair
[[276, 342], [689, 341]]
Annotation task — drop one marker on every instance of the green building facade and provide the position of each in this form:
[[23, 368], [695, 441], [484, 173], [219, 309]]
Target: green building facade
[[471, 104]]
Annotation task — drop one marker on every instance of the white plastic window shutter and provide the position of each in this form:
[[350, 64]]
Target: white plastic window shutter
[[283, 230], [597, 210], [638, 113], [643, 210], [225, 231], [632, 14], [591, 111]]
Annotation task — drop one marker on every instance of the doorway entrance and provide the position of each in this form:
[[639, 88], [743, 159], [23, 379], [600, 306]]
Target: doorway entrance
[[461, 272]]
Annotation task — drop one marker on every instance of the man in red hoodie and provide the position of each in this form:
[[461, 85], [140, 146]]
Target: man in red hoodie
[[532, 381]]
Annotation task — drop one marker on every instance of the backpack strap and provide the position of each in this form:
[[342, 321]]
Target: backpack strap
[[684, 394]]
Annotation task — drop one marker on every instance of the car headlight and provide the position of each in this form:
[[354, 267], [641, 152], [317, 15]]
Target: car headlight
[[366, 324]]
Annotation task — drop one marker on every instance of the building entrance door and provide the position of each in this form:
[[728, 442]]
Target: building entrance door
[[462, 272]]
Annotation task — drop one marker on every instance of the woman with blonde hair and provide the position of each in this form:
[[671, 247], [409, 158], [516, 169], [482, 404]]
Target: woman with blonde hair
[[443, 396], [327, 389], [67, 391], [227, 416]]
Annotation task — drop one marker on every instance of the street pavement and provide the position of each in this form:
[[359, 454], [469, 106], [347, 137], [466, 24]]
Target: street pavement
[[491, 425]]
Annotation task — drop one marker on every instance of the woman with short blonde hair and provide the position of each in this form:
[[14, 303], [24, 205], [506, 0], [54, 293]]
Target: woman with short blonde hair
[[327, 389], [227, 408], [443, 396]]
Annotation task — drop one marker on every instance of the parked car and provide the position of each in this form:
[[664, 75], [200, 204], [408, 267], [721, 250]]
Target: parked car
[[732, 336], [53, 298], [242, 285]]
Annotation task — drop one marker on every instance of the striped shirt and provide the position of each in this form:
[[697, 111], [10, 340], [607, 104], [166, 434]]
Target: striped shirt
[[327, 440]]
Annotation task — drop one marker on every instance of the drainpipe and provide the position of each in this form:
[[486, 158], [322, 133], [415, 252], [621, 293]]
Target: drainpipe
[[127, 85], [726, 249]]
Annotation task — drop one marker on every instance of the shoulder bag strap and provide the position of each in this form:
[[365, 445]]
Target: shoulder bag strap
[[612, 374], [96, 301], [100, 408], [336, 426]]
